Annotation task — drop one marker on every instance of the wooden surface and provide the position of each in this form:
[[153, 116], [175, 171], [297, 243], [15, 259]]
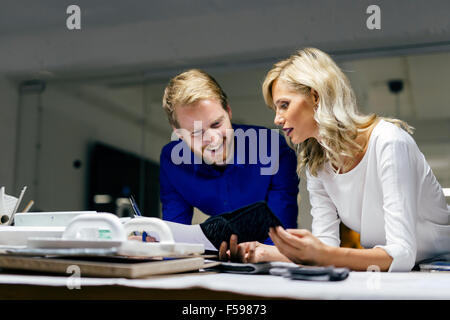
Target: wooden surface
[[107, 268]]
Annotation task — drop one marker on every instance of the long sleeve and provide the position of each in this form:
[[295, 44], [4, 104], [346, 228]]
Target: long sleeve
[[174, 207], [325, 222], [399, 183]]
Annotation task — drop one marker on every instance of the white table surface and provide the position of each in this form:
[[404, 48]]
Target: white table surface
[[358, 286]]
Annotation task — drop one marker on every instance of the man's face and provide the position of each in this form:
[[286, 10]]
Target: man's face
[[206, 128]]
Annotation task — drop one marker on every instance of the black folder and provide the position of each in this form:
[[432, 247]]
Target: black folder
[[249, 223]]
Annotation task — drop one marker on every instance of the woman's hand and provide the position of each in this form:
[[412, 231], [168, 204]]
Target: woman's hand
[[299, 245], [249, 252]]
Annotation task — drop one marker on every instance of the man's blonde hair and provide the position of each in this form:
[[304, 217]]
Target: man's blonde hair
[[337, 115], [190, 87]]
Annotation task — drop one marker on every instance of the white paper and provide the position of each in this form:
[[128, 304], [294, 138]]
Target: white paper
[[2, 195], [7, 203], [396, 286], [188, 234]]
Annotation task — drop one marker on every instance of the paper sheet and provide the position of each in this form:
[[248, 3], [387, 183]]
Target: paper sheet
[[7, 203], [188, 234]]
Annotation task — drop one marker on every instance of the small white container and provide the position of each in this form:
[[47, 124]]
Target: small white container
[[18, 236], [46, 219]]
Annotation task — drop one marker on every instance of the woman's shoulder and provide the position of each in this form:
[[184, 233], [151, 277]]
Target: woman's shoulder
[[387, 132]]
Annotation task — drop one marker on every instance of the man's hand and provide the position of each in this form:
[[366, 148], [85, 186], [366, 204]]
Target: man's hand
[[249, 252]]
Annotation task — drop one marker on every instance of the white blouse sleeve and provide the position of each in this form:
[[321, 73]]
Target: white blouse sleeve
[[325, 222], [399, 183]]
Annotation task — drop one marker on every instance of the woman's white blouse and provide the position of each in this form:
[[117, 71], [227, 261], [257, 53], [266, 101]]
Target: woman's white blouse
[[391, 198]]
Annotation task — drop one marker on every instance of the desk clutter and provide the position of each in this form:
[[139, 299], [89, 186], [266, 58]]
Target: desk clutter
[[439, 263], [99, 244], [284, 269]]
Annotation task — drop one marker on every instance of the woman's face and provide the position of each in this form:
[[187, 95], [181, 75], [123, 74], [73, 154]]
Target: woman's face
[[294, 112]]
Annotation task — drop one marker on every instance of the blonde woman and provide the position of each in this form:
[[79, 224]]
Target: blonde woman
[[363, 170]]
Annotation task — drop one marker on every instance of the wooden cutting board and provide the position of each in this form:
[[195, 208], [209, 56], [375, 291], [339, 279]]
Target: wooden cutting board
[[105, 267]]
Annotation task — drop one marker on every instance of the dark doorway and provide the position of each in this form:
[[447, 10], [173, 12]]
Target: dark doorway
[[115, 175]]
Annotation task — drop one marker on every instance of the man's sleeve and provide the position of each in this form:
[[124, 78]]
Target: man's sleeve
[[174, 207], [283, 191]]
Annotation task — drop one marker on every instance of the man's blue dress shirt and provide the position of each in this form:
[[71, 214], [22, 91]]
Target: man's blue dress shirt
[[216, 190]]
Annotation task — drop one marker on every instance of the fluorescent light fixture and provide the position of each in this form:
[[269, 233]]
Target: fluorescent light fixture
[[102, 198], [446, 192]]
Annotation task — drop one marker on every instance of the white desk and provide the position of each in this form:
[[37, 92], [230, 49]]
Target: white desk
[[358, 286]]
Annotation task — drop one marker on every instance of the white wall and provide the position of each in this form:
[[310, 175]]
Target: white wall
[[72, 118], [8, 108]]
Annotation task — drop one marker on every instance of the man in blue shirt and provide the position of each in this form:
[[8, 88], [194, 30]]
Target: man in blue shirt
[[218, 166]]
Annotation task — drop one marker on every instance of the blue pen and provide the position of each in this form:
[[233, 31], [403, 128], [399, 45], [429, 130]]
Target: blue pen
[[134, 206], [137, 213]]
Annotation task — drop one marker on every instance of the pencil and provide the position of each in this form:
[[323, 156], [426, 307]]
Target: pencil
[[28, 207]]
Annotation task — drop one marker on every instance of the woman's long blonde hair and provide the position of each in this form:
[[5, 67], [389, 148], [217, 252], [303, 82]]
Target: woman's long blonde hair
[[337, 115]]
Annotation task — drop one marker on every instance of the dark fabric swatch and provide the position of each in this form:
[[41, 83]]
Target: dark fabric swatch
[[249, 223]]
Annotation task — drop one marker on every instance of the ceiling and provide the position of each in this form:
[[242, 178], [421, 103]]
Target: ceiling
[[160, 37], [48, 14]]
